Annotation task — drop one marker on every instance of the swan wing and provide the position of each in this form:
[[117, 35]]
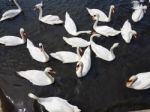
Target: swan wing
[[126, 26], [76, 42], [10, 14], [65, 56], [11, 40], [100, 51], [70, 25], [106, 31], [36, 77], [51, 19]]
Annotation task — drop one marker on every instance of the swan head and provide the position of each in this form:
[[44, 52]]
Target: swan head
[[134, 33], [39, 5], [95, 17], [49, 70], [145, 7], [23, 34], [131, 81], [41, 46], [79, 69], [112, 7]]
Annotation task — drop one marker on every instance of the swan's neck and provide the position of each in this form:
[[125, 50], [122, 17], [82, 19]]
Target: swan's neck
[[78, 51], [96, 22], [40, 13], [80, 32], [23, 37], [110, 13], [17, 4], [112, 50]]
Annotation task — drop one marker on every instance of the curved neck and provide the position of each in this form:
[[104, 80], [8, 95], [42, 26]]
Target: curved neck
[[78, 51], [17, 4], [112, 49], [40, 13], [80, 32], [22, 36], [110, 13], [96, 22]]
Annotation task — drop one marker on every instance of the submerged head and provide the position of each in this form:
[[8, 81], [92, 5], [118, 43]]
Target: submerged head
[[49, 70], [131, 81]]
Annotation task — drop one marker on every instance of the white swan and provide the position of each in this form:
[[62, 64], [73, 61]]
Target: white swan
[[141, 81], [102, 52], [11, 13], [66, 56], [84, 64], [104, 30], [76, 42], [71, 27], [55, 104], [13, 40], [127, 32], [102, 15], [139, 11], [38, 77], [37, 53], [48, 19]]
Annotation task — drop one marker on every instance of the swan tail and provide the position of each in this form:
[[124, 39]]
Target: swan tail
[[76, 109], [29, 43], [54, 55], [65, 39], [33, 96]]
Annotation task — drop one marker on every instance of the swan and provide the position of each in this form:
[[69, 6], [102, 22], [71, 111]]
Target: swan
[[102, 52], [38, 77], [55, 104], [11, 13], [76, 42], [48, 19], [66, 56], [37, 53], [71, 27], [13, 40], [140, 81], [84, 64], [139, 11], [104, 30], [127, 32], [102, 15]]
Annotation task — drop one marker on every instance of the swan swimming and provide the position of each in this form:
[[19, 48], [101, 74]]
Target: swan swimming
[[11, 13], [127, 32], [14, 40], [48, 19], [84, 64], [140, 81], [37, 53], [55, 104], [139, 11], [38, 77], [71, 27], [102, 52], [104, 30], [102, 15]]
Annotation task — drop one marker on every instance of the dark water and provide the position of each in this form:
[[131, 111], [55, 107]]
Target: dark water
[[103, 90]]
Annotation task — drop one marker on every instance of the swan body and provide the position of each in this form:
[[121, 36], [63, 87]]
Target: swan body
[[102, 16], [139, 11], [127, 32], [48, 19], [76, 42], [55, 104], [13, 40], [37, 53], [65, 56], [71, 27], [141, 81], [102, 52], [11, 13], [104, 30], [38, 77], [84, 64]]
